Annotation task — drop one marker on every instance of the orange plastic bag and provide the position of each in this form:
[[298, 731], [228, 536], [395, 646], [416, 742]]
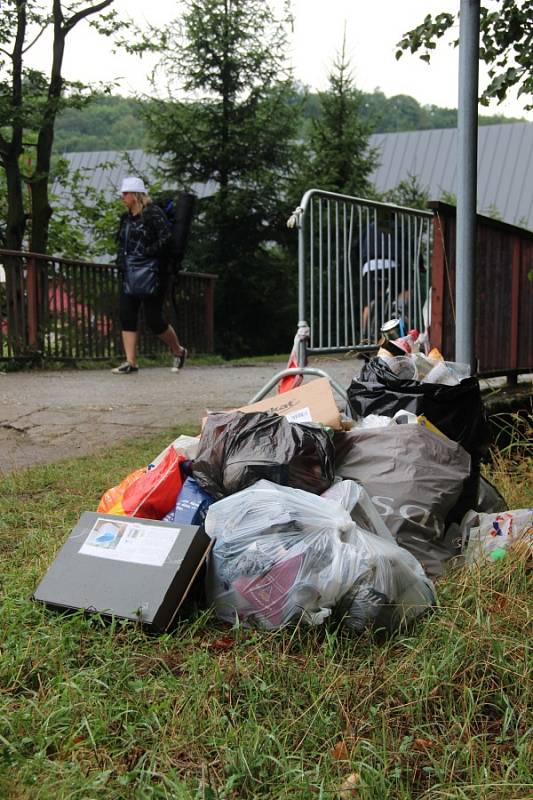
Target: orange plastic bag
[[114, 495]]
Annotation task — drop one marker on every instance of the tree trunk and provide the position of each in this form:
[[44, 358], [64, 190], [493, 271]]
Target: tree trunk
[[13, 265], [40, 204], [41, 211], [16, 218]]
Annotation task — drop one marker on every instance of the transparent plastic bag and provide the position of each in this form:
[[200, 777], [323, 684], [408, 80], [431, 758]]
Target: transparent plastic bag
[[423, 365], [355, 499], [485, 533], [283, 554], [447, 373], [404, 367], [391, 594]]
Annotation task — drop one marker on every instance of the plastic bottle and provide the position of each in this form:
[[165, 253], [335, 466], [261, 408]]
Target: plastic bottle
[[408, 342], [416, 337]]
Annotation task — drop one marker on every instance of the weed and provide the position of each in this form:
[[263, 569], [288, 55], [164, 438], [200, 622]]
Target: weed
[[513, 433]]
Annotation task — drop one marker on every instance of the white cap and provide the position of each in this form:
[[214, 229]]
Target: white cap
[[133, 185]]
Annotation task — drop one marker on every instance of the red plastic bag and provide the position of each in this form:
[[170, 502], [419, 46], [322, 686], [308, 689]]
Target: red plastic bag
[[147, 493], [154, 494], [293, 381]]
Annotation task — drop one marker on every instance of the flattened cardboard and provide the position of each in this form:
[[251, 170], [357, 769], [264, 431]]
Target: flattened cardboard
[[311, 402], [133, 574]]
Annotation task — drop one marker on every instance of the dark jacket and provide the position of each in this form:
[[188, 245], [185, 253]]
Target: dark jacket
[[389, 244], [147, 234]]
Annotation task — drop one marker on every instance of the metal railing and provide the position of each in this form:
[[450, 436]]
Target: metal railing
[[65, 310], [360, 263]]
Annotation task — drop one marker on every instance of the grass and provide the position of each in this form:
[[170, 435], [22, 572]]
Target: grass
[[90, 710]]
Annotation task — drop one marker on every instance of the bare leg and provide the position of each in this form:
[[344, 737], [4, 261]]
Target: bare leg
[[171, 340], [129, 342]]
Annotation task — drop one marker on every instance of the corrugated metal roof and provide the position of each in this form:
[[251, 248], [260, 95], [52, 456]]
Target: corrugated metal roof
[[104, 170], [505, 166]]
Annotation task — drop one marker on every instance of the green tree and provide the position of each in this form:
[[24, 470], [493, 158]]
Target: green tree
[[84, 222], [506, 46], [30, 102], [338, 157], [409, 192], [234, 131], [107, 123]]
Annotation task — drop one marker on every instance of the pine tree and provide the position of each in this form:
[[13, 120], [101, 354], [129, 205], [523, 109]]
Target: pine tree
[[234, 132], [340, 159]]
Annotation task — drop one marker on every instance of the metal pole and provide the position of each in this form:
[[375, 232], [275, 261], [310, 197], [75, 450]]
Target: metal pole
[[302, 324], [467, 181]]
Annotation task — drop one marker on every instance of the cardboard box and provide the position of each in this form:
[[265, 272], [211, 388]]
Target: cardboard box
[[138, 569], [311, 402]]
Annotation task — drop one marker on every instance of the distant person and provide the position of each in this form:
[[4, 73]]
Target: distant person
[[380, 259], [143, 242]]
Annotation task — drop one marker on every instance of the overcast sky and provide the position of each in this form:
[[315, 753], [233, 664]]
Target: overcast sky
[[373, 27]]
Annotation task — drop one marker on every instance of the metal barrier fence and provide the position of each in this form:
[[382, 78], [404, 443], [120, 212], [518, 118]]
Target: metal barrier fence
[[360, 263], [60, 309]]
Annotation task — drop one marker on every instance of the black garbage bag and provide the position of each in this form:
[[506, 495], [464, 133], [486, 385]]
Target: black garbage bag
[[457, 411], [237, 449], [489, 499]]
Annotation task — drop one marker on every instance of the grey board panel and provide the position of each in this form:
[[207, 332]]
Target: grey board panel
[[137, 591]]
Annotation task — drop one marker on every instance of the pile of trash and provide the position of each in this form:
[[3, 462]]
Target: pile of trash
[[312, 512]]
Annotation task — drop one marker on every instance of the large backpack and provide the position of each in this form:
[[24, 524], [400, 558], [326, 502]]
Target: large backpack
[[178, 213]]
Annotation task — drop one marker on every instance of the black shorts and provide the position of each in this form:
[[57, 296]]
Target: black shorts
[[130, 305], [377, 280]]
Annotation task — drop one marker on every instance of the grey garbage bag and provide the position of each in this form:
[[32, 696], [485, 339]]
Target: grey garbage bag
[[283, 554], [413, 476]]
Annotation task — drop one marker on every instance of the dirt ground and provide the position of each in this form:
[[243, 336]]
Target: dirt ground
[[47, 416]]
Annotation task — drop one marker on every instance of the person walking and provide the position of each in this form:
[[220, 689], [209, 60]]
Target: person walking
[[144, 239]]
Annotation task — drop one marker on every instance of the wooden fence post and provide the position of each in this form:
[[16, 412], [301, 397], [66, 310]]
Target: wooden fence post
[[33, 303], [437, 281]]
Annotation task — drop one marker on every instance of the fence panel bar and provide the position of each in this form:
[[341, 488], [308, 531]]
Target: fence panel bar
[[66, 309]]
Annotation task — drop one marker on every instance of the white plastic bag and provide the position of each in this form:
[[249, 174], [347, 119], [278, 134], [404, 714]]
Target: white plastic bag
[[186, 445], [485, 533], [354, 498], [283, 554]]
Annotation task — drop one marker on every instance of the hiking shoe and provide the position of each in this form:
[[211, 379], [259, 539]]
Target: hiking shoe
[[179, 361], [125, 369]]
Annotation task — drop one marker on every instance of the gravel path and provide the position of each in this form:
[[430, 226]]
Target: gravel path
[[47, 416]]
